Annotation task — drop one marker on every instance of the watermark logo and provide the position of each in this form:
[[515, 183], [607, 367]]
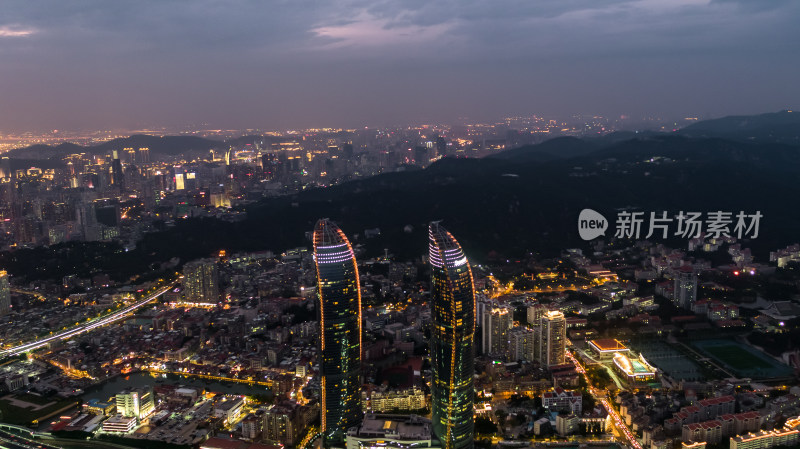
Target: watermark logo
[[591, 224], [688, 225]]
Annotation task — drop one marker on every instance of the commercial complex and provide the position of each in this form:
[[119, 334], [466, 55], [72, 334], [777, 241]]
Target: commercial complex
[[391, 431], [137, 403]]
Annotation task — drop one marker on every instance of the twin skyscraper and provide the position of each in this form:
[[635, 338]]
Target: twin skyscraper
[[452, 339]]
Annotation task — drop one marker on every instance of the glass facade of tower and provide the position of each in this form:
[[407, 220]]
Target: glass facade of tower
[[339, 309], [452, 350]]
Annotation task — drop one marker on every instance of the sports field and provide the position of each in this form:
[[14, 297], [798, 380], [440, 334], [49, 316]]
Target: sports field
[[668, 360], [744, 360]]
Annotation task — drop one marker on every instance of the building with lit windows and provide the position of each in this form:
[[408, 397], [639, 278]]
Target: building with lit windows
[[137, 403], [387, 401], [561, 400], [685, 288], [283, 424], [765, 439], [201, 281], [117, 179], [339, 309], [521, 343], [229, 409], [552, 338], [119, 424], [452, 340], [5, 294], [497, 322]]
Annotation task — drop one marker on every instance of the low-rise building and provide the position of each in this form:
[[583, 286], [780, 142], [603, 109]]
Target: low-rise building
[[119, 424], [391, 431], [561, 400]]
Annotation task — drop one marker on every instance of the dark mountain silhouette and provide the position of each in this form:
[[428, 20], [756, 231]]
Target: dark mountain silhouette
[[780, 127], [558, 148], [171, 145]]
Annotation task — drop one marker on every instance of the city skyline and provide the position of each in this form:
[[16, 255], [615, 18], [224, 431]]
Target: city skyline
[[214, 218], [248, 65]]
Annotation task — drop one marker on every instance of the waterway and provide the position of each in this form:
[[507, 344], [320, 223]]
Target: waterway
[[111, 387]]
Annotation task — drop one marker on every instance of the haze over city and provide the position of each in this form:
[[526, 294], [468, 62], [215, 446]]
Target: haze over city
[[244, 64], [351, 224]]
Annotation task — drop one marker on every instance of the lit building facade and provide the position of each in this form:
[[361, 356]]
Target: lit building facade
[[339, 309], [5, 293], [685, 288], [201, 281], [497, 322], [552, 338], [521, 344], [634, 371], [452, 340], [137, 403]]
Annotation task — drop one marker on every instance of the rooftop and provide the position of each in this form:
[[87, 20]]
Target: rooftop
[[608, 344]]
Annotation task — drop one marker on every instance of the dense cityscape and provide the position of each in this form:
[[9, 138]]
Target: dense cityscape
[[399, 224], [628, 342]]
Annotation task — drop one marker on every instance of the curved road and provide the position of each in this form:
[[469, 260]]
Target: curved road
[[89, 326]]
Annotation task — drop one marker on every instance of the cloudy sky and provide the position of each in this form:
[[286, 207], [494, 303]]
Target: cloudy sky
[[273, 64]]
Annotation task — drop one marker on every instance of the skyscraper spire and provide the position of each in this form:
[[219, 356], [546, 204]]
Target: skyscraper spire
[[339, 309], [452, 351]]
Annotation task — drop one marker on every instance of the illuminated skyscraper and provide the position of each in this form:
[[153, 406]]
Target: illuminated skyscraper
[[452, 339], [144, 156], [117, 179], [552, 336], [5, 293], [339, 309]]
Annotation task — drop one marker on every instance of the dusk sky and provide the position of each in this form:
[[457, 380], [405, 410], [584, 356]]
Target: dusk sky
[[90, 64]]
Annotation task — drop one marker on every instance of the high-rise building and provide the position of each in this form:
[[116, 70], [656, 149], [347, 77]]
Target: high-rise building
[[5, 294], [535, 313], [685, 288], [137, 403], [552, 338], [339, 309], [117, 179], [5, 167], [441, 147], [201, 281], [283, 424], [144, 156], [452, 340], [521, 341], [497, 322]]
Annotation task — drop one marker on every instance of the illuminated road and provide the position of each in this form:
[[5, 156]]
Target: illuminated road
[[618, 422], [88, 327]]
